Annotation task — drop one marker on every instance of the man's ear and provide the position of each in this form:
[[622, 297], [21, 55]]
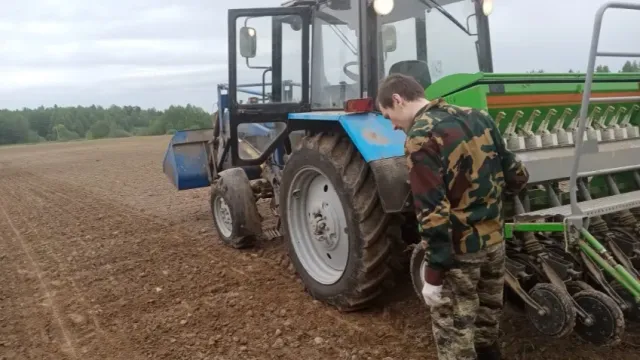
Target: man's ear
[[397, 99]]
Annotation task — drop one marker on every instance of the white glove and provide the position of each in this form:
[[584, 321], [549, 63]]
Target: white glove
[[433, 295]]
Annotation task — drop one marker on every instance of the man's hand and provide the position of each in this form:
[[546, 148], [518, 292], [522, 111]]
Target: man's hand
[[433, 295]]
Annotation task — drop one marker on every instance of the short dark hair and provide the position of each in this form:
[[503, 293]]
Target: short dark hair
[[400, 84]]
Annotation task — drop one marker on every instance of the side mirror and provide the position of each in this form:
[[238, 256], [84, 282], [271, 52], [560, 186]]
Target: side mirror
[[294, 21], [389, 40], [248, 43]]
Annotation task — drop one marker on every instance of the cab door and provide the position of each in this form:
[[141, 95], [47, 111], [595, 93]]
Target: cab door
[[268, 78]]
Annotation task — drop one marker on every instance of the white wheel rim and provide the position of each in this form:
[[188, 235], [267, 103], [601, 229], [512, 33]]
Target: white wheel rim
[[423, 268], [317, 226], [222, 214]]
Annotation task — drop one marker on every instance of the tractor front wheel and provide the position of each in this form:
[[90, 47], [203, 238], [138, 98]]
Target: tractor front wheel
[[418, 267], [234, 210], [341, 242]]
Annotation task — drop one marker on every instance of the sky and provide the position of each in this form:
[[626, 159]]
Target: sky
[[155, 53]]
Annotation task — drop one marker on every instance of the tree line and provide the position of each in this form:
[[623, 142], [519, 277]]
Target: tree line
[[629, 66], [96, 122]]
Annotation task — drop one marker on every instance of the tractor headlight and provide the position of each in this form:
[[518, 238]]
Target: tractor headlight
[[383, 7], [487, 7]]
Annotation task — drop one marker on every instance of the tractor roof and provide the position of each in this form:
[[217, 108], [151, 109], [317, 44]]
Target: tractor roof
[[292, 3]]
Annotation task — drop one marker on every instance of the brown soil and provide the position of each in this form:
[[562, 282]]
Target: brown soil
[[102, 259]]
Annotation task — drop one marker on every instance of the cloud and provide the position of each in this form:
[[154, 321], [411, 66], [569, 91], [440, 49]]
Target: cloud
[[163, 52], [132, 52], [556, 35]]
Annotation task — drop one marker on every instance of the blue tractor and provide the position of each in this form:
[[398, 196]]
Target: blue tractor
[[310, 139], [296, 124]]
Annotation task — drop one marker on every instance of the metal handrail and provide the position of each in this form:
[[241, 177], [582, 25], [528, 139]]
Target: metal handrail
[[576, 212]]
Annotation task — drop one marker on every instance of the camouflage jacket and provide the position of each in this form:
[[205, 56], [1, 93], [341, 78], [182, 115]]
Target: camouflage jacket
[[459, 168]]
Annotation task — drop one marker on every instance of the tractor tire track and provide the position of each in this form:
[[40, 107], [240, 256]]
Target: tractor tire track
[[90, 333], [55, 202], [36, 268]]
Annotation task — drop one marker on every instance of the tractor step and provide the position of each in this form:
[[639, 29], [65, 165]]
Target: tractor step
[[271, 233], [596, 207]]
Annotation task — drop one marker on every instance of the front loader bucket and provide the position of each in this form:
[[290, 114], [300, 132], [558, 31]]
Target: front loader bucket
[[186, 161]]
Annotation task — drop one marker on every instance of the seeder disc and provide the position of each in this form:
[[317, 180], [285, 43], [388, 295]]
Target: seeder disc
[[559, 317], [607, 321]]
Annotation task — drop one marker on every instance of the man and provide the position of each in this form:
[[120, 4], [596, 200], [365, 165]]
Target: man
[[459, 169]]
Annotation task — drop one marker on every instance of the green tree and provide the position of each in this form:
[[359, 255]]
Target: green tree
[[630, 66], [100, 129], [64, 134], [14, 128]]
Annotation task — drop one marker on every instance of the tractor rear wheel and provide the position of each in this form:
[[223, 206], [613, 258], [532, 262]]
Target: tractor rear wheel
[[342, 244]]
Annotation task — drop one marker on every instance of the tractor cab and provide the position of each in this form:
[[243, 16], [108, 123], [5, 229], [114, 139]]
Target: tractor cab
[[432, 39], [314, 56]]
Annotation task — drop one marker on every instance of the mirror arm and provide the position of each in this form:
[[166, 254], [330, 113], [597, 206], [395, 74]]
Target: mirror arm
[[256, 67], [264, 83], [469, 31]]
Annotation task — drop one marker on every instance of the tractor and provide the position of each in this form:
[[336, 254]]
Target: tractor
[[297, 125]]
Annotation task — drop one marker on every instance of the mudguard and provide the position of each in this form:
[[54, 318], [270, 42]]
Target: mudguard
[[382, 148]]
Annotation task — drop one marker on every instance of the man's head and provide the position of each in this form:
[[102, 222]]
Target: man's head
[[399, 99]]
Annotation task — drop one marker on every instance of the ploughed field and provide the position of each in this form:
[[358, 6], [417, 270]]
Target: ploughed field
[[102, 259]]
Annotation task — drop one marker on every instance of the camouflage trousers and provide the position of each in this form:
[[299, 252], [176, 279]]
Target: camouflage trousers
[[471, 318]]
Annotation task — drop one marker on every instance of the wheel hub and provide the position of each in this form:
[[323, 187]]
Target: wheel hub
[[224, 212], [559, 316], [323, 223], [606, 321], [223, 216], [318, 225]]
